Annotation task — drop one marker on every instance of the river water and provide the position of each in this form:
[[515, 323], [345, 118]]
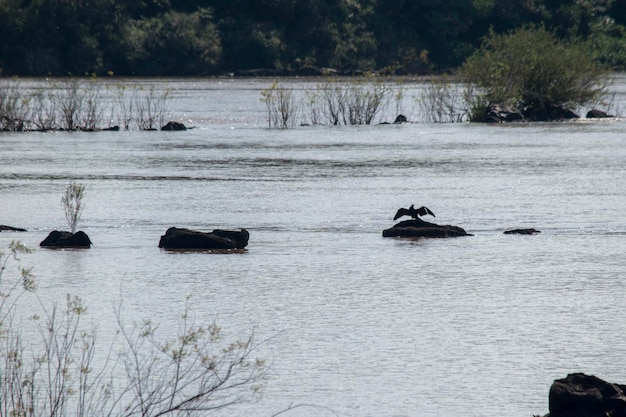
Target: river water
[[361, 325]]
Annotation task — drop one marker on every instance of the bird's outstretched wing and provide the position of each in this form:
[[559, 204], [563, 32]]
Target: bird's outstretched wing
[[401, 212], [422, 211]]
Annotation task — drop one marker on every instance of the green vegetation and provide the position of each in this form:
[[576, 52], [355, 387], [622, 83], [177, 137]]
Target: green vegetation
[[51, 365], [534, 71], [281, 37]]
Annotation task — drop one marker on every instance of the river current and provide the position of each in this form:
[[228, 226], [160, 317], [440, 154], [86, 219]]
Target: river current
[[361, 325]]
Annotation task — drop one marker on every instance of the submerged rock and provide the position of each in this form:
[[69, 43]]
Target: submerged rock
[[597, 114], [522, 232], [179, 238], [4, 228], [420, 228], [61, 239], [177, 126]]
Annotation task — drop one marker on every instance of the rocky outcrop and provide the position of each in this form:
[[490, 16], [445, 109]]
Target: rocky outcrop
[[580, 395], [4, 228], [178, 238], [60, 239], [522, 232], [495, 113], [420, 228]]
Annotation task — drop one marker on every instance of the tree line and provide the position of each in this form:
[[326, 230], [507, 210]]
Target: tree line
[[282, 37]]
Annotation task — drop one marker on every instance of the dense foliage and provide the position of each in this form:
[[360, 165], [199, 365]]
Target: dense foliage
[[535, 72], [205, 37]]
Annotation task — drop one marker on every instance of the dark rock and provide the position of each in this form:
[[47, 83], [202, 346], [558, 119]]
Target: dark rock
[[60, 239], [240, 237], [522, 232], [496, 113], [549, 113], [420, 228], [597, 114], [4, 228], [400, 119], [580, 395], [174, 126], [176, 238], [568, 114], [115, 128]]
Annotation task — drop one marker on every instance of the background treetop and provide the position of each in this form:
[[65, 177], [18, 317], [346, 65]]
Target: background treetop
[[214, 37]]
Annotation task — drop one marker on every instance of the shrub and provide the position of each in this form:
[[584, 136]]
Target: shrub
[[73, 104], [531, 69], [443, 102], [350, 103], [77, 104], [14, 108], [51, 365], [280, 105], [152, 109], [72, 202], [354, 102]]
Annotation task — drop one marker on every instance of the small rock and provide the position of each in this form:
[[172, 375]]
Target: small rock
[[4, 228], [174, 126], [597, 114], [522, 232], [61, 239], [400, 119]]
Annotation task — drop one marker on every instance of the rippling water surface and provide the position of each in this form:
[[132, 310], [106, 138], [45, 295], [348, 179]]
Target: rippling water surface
[[363, 325]]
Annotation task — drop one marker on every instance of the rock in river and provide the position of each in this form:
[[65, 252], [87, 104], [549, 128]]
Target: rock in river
[[4, 228], [421, 228], [178, 238], [580, 395], [61, 239]]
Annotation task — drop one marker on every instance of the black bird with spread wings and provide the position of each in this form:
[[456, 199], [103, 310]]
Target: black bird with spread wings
[[413, 212]]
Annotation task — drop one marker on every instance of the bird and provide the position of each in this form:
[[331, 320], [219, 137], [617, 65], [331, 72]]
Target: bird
[[413, 212]]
